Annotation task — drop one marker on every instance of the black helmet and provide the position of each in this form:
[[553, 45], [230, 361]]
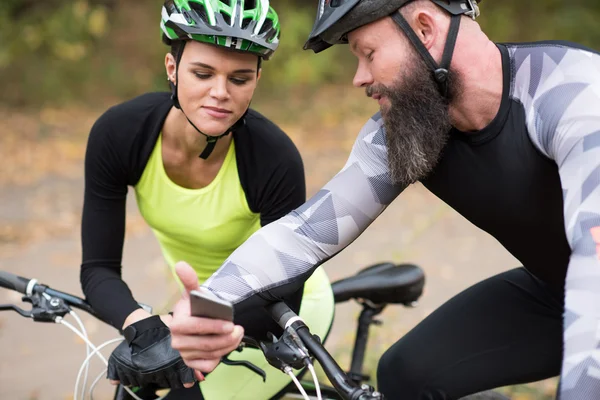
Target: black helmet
[[335, 18]]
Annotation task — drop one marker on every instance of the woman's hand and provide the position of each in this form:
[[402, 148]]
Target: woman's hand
[[141, 314], [200, 341]]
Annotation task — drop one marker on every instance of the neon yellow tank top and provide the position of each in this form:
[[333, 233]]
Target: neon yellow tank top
[[199, 226]]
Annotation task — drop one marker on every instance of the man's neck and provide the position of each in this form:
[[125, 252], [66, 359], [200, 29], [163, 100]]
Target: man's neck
[[479, 63]]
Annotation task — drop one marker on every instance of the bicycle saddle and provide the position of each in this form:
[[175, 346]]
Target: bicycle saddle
[[382, 283]]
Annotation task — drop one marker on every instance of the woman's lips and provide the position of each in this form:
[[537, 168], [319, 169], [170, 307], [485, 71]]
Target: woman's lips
[[215, 112]]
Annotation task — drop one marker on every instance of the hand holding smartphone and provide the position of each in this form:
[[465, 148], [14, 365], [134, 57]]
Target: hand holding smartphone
[[206, 305]]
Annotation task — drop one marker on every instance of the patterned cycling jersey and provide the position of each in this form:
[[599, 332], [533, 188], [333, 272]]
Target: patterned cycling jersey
[[531, 179]]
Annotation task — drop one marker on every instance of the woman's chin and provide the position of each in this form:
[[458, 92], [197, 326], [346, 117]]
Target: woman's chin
[[215, 129]]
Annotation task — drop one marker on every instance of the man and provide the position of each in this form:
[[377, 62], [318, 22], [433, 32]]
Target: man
[[509, 136]]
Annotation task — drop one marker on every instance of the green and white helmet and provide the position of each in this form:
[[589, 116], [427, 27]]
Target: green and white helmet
[[244, 25]]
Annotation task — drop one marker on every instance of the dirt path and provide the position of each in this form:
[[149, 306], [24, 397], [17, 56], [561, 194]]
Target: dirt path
[[42, 361]]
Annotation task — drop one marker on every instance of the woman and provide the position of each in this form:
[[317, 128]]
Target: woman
[[207, 172]]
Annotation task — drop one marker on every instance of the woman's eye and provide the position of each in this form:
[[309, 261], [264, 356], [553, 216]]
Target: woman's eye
[[238, 81], [370, 55], [202, 76]]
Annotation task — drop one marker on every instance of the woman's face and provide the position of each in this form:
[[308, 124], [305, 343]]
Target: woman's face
[[214, 85]]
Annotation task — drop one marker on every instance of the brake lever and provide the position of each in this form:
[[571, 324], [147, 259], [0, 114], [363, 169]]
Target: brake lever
[[225, 360], [24, 313], [248, 341]]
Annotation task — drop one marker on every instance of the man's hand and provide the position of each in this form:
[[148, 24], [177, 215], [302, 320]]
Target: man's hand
[[200, 341]]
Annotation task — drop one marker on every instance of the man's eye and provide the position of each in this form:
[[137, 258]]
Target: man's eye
[[370, 55], [202, 76]]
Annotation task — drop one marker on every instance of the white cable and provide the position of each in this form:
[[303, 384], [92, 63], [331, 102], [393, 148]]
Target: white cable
[[314, 375], [100, 375], [289, 371], [87, 360], [71, 327], [87, 351], [96, 351]]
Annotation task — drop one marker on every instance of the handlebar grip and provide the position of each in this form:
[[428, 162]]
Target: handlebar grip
[[281, 313], [13, 282]]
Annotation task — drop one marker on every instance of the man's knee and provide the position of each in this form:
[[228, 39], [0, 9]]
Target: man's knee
[[399, 375], [405, 373]]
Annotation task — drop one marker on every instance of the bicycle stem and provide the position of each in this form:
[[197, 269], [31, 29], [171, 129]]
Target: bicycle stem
[[336, 375], [286, 318]]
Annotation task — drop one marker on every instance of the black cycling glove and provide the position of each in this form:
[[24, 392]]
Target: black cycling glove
[[146, 357]]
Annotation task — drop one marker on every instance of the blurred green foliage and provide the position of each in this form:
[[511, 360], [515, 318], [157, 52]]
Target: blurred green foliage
[[57, 51]]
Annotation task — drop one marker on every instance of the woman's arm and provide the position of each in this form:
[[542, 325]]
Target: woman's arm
[[103, 227]]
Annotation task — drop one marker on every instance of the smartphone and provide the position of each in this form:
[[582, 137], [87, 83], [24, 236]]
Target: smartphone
[[206, 305]]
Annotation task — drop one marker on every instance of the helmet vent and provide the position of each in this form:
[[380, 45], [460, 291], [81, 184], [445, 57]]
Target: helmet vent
[[171, 7], [250, 4], [226, 18], [228, 2], [268, 25], [201, 11], [246, 22]]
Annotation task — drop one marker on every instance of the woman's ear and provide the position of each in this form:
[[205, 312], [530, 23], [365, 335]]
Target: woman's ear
[[258, 74], [170, 67]]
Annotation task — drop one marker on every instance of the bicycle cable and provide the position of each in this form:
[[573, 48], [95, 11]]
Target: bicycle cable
[[100, 375], [87, 350], [288, 370], [96, 351], [311, 368]]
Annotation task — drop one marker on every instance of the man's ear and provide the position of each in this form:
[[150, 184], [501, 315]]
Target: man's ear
[[425, 26]]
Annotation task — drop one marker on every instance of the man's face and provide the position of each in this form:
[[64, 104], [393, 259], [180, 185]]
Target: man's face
[[415, 114], [382, 54]]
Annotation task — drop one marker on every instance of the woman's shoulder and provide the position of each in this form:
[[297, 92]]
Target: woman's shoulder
[[137, 110], [265, 134], [128, 131]]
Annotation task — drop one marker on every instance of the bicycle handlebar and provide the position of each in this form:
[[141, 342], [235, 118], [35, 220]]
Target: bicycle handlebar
[[286, 318], [280, 312], [30, 287], [14, 282]]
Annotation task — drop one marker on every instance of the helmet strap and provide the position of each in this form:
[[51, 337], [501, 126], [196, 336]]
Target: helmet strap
[[211, 141], [440, 72]]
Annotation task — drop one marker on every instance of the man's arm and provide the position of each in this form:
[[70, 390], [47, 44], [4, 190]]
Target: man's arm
[[567, 130], [278, 258], [580, 175]]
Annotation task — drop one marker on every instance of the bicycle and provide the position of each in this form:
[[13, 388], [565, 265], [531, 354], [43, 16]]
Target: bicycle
[[374, 288]]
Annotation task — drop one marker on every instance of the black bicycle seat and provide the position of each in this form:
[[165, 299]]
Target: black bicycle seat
[[382, 283]]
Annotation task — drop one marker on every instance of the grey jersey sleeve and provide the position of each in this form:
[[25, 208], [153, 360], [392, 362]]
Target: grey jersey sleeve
[[563, 104], [278, 258]]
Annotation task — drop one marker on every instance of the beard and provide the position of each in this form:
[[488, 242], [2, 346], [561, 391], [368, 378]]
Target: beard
[[416, 121]]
